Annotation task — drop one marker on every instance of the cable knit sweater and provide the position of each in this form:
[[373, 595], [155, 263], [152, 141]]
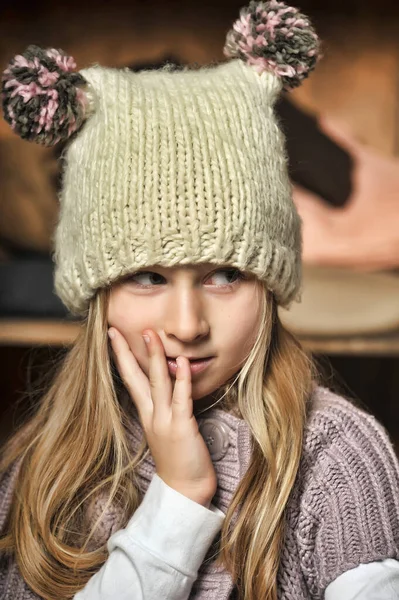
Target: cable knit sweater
[[343, 509]]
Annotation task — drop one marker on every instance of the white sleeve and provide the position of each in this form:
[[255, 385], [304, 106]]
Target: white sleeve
[[158, 553], [372, 581]]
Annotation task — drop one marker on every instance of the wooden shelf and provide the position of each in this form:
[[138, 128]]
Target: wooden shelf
[[37, 332], [29, 332], [375, 345]]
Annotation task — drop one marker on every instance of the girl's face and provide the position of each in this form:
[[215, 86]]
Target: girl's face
[[200, 310]]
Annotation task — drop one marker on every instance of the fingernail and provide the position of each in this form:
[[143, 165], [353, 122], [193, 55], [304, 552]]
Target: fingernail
[[146, 338], [111, 333]]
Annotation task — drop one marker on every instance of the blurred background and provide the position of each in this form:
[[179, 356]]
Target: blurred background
[[342, 127]]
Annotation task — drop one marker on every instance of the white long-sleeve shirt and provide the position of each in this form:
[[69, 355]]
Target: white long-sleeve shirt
[[158, 554]]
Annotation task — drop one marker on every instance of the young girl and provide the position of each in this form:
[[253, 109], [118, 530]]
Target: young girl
[[190, 454]]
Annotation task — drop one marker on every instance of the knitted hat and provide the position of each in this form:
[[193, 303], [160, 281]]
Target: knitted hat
[[169, 166]]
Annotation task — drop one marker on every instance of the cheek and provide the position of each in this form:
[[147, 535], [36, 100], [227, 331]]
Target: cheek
[[126, 316], [128, 322], [241, 327], [239, 339], [131, 321]]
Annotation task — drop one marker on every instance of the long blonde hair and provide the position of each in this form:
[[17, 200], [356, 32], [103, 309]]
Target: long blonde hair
[[75, 446]]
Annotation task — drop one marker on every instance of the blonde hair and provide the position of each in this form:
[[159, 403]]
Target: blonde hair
[[75, 446]]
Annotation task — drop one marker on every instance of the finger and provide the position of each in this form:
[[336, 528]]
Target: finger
[[160, 381], [182, 402], [132, 375]]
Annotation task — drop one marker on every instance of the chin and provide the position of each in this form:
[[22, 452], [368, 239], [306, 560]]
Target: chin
[[201, 391]]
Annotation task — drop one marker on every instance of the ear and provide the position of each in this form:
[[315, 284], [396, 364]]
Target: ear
[[44, 99], [274, 37]]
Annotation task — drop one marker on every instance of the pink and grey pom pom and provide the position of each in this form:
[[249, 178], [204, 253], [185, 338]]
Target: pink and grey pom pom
[[274, 37], [42, 96], [44, 99]]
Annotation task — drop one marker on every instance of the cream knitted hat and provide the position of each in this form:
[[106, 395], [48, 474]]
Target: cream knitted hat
[[171, 167]]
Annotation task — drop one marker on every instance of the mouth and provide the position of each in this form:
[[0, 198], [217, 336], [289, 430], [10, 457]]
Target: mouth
[[196, 365], [193, 360]]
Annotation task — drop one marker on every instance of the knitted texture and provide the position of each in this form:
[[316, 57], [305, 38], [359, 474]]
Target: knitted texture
[[343, 509], [275, 37], [43, 82], [177, 167], [165, 167]]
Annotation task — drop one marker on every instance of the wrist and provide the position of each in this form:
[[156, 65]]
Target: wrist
[[199, 499], [194, 495]]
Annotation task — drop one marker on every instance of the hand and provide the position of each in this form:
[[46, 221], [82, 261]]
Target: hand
[[363, 234], [179, 451]]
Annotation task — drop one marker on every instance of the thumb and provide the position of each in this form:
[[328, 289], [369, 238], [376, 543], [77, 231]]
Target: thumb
[[340, 132]]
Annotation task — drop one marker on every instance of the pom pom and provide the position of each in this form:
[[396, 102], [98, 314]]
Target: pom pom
[[42, 98], [277, 38]]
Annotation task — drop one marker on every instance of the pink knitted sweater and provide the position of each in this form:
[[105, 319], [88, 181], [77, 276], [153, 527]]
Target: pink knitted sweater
[[343, 509]]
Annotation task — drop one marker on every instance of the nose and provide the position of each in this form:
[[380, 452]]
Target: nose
[[185, 317]]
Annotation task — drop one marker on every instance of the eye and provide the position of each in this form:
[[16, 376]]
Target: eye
[[234, 274], [155, 278], [145, 274]]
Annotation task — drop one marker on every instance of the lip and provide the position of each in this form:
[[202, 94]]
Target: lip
[[196, 367]]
